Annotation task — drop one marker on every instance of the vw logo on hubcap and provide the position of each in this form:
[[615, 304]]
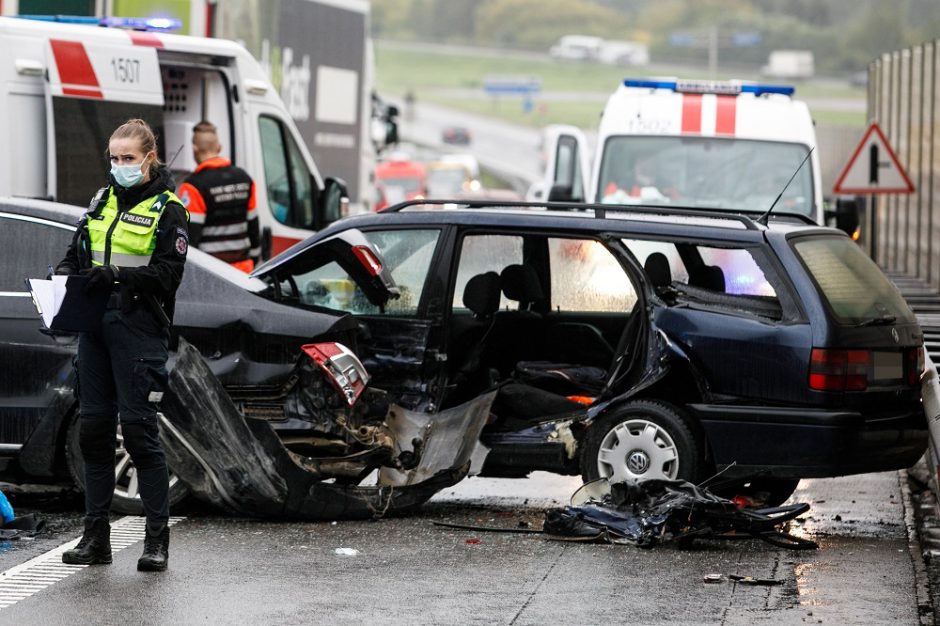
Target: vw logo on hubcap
[[638, 462]]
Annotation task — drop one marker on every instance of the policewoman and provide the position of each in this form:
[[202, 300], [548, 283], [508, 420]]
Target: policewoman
[[132, 244]]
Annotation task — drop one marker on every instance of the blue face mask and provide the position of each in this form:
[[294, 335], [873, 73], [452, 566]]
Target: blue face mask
[[127, 175]]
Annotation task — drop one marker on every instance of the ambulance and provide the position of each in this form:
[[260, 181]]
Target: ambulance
[[67, 86], [701, 144]]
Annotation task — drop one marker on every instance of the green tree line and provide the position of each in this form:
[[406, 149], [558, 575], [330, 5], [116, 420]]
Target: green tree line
[[845, 35]]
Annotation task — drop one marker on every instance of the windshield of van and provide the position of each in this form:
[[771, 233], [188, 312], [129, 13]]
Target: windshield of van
[[718, 172], [855, 288]]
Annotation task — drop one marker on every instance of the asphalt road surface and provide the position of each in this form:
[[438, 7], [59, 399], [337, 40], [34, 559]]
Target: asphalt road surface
[[406, 570]]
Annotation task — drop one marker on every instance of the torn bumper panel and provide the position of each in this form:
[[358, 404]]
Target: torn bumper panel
[[241, 465]]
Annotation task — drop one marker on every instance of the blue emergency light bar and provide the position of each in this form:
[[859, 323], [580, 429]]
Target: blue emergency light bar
[[133, 23], [710, 86]]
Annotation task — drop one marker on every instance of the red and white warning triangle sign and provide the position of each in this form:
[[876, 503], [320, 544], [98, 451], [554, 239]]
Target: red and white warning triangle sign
[[873, 168]]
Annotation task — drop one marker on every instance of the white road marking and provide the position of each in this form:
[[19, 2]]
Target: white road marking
[[31, 577]]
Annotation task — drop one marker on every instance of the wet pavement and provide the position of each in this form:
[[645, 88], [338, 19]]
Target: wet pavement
[[407, 570]]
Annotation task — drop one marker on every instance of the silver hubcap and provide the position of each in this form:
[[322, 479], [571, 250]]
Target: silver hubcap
[[125, 474], [637, 449]]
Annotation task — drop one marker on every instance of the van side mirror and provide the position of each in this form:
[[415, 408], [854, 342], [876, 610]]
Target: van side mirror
[[391, 132], [846, 215], [334, 201], [562, 193]]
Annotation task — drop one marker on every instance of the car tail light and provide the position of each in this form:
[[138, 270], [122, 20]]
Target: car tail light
[[368, 259], [839, 370], [915, 365], [344, 370]]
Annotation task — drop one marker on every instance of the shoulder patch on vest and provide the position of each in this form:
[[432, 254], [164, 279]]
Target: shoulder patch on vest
[[161, 200], [137, 220], [182, 241], [185, 199]]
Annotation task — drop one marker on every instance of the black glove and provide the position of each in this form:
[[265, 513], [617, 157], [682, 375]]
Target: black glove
[[101, 278]]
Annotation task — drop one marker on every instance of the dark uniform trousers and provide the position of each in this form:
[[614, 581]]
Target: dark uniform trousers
[[121, 374]]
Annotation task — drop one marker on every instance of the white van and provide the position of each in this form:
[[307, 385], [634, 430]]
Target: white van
[[66, 87], [577, 48], [699, 144]]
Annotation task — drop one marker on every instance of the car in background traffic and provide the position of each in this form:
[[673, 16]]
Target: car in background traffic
[[448, 180], [456, 135], [399, 179]]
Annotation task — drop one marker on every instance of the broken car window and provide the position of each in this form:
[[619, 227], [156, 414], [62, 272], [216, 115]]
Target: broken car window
[[742, 276], [726, 277], [407, 253], [585, 276]]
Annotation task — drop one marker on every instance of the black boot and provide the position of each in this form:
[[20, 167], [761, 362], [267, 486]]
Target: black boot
[[156, 549], [94, 546]]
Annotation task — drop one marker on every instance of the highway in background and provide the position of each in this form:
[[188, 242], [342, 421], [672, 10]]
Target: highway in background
[[510, 151]]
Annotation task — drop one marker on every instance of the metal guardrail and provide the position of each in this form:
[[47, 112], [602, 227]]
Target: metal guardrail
[[924, 300]]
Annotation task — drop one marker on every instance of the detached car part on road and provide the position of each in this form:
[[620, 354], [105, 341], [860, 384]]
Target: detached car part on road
[[622, 342], [646, 513]]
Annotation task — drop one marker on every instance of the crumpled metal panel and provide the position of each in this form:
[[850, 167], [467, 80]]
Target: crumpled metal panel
[[241, 465], [214, 454], [205, 301], [449, 438]]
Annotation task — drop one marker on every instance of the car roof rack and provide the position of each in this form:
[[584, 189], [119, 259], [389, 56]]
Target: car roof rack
[[600, 210]]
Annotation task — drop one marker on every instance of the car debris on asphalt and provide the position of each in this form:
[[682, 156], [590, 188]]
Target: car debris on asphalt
[[652, 512]]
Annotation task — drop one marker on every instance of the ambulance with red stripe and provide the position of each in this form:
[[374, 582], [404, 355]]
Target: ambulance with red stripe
[[700, 144], [67, 86]]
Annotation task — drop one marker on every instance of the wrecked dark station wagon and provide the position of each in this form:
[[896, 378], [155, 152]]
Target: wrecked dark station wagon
[[628, 342], [386, 356]]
